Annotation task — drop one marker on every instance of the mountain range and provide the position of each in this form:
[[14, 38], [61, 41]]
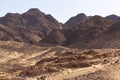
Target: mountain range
[[80, 31]]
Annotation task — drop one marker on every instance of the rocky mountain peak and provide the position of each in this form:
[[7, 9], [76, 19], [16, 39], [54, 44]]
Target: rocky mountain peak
[[34, 11], [81, 15], [113, 17], [75, 20], [30, 27]]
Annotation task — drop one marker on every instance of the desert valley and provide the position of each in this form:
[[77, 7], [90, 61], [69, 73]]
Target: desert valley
[[35, 46]]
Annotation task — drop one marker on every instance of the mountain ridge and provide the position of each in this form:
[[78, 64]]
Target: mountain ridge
[[31, 26], [36, 27]]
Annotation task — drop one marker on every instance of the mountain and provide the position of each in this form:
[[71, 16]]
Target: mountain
[[80, 34], [113, 17], [32, 18], [31, 26], [75, 21], [109, 39], [90, 30], [19, 34]]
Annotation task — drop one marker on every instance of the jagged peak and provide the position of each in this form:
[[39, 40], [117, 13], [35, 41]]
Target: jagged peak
[[34, 11]]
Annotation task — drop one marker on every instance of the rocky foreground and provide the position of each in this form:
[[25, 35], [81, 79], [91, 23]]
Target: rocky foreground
[[21, 61]]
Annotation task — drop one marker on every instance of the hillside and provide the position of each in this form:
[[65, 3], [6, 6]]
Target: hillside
[[109, 39], [29, 27], [81, 34], [74, 21]]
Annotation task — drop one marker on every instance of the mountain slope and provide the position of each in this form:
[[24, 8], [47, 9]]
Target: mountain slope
[[81, 33], [109, 39], [32, 18], [73, 21], [29, 27], [18, 34], [88, 31], [113, 17], [56, 37]]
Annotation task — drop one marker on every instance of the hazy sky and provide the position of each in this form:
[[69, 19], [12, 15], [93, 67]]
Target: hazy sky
[[62, 10]]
